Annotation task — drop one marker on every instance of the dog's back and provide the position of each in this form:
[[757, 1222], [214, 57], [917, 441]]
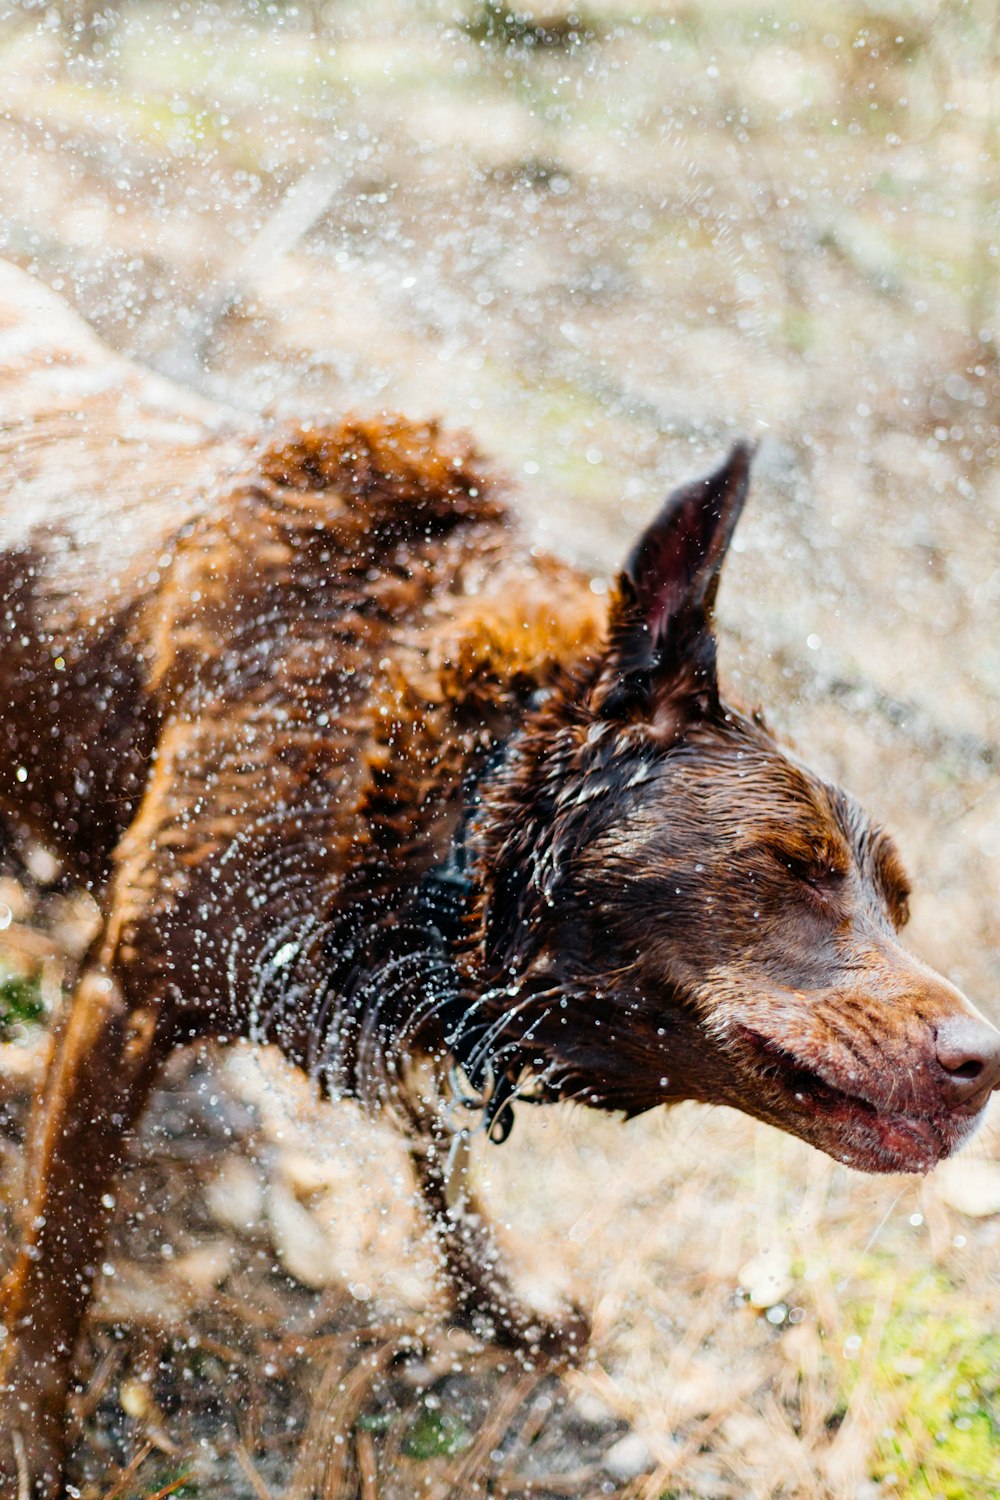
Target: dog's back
[[268, 612]]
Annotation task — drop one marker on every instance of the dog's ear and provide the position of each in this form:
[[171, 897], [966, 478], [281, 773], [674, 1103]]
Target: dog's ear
[[660, 662]]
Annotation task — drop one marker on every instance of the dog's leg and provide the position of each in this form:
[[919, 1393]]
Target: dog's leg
[[105, 1060], [484, 1297], [115, 1035]]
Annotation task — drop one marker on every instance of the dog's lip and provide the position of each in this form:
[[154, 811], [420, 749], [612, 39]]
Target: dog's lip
[[804, 1080], [868, 1135]]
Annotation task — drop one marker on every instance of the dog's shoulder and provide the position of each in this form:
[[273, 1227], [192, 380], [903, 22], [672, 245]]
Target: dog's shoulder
[[403, 479]]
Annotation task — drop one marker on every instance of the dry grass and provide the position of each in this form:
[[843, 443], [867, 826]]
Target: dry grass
[[604, 256]]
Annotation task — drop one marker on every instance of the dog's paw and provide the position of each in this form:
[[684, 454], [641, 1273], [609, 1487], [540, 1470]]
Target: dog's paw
[[559, 1339]]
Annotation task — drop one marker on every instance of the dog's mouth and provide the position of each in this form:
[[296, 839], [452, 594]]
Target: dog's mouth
[[859, 1125]]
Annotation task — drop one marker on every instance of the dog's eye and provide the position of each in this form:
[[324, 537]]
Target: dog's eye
[[824, 877], [816, 870]]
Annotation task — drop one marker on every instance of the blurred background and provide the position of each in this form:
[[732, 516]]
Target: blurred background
[[606, 240]]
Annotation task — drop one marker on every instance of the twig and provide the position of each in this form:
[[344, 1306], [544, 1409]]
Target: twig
[[249, 1468], [20, 1458], [172, 1488], [129, 1472], [367, 1467]]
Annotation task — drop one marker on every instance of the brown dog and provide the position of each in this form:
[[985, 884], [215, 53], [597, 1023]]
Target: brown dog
[[356, 772]]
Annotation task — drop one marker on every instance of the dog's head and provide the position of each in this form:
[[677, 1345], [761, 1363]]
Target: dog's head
[[673, 906]]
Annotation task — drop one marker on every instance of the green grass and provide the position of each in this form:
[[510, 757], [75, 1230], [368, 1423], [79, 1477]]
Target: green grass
[[938, 1370], [21, 1004], [436, 1434]]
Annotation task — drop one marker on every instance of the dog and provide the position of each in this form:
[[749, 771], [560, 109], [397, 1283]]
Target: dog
[[355, 770]]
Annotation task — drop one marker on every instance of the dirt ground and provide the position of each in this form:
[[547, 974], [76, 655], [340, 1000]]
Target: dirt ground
[[606, 241]]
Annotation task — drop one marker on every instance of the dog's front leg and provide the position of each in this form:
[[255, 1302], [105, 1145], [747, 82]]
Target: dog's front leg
[[105, 1060], [484, 1298]]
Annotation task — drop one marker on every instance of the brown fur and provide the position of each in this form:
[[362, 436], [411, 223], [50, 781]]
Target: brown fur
[[355, 771]]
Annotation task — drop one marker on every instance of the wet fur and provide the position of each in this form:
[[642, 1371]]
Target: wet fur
[[353, 769]]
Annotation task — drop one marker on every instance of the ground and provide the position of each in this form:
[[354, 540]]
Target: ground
[[607, 242]]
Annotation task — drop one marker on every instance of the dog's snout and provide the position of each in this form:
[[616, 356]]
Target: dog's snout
[[968, 1054]]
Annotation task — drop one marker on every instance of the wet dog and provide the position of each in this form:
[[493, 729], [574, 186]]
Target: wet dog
[[353, 770]]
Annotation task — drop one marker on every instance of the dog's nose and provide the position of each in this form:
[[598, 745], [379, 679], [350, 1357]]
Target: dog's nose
[[968, 1053]]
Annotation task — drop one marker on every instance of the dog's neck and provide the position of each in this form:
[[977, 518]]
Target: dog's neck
[[386, 975], [380, 983]]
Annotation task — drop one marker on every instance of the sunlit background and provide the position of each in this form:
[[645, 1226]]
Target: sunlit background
[[606, 240]]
